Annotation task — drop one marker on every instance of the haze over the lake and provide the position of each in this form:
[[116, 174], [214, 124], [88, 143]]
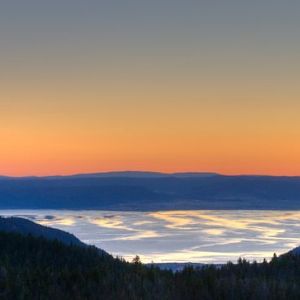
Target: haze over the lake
[[90, 86], [178, 236]]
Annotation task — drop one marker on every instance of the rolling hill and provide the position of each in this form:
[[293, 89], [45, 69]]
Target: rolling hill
[[150, 191], [25, 227]]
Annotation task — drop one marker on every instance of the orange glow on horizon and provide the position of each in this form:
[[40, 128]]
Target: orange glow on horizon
[[197, 90]]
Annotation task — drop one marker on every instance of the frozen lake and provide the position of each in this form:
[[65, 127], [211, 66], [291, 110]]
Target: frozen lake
[[178, 236]]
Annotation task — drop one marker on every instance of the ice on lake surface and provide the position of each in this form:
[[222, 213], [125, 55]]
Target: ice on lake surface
[[178, 236]]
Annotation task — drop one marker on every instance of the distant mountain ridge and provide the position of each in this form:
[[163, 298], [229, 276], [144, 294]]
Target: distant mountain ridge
[[139, 174], [132, 190], [126, 174]]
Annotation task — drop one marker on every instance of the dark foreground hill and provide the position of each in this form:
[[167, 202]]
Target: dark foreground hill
[[37, 268], [150, 191], [23, 226]]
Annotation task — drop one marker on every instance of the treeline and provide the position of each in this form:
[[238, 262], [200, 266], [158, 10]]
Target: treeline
[[35, 268]]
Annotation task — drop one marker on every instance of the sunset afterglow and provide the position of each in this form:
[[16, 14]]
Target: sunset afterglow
[[141, 86]]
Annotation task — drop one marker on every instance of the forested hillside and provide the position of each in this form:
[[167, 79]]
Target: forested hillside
[[24, 226], [36, 268]]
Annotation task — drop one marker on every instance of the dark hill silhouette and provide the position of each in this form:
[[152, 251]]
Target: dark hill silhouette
[[26, 227]]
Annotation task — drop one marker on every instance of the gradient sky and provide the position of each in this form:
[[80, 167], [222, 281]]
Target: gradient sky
[[165, 85]]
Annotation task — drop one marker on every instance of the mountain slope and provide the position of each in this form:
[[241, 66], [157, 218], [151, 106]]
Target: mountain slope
[[25, 227], [37, 268]]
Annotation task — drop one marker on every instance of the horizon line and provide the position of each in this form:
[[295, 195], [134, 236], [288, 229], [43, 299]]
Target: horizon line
[[145, 172]]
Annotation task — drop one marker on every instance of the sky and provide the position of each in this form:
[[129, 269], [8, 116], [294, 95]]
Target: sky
[[90, 86]]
